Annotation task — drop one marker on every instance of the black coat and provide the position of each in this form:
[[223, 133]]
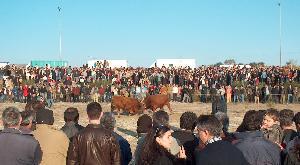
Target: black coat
[[258, 150], [189, 142], [71, 129], [220, 153], [19, 149]]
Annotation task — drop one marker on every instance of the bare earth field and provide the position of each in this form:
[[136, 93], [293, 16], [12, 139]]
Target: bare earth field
[[126, 125]]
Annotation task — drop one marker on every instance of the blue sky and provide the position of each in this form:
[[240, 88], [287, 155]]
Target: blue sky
[[144, 30]]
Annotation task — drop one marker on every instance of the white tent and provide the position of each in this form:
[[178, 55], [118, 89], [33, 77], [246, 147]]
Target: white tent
[[3, 64], [174, 63], [111, 63]]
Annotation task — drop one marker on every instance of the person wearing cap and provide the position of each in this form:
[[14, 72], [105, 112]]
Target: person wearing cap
[[54, 143]]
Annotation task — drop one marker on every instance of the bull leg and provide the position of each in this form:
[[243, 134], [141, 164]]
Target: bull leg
[[154, 108], [118, 113]]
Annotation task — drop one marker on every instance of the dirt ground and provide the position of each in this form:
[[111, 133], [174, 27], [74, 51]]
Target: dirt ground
[[126, 125]]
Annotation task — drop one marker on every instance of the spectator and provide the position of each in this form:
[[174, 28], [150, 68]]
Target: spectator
[[286, 123], [256, 149], [293, 157], [186, 136], [54, 143], [156, 146], [28, 122], [159, 118], [71, 127], [216, 151], [94, 144], [224, 120], [108, 122], [17, 148], [270, 126], [144, 124]]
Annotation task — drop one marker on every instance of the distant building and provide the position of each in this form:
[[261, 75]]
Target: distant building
[[3, 64], [48, 63], [235, 66], [107, 63], [174, 63]]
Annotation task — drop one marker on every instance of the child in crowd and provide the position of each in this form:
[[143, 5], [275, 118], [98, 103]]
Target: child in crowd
[[270, 126]]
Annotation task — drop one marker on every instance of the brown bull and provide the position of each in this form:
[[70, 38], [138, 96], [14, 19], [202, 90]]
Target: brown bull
[[157, 101], [128, 104]]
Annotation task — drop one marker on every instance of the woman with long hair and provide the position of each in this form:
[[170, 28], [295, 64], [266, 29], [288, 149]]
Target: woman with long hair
[[156, 146]]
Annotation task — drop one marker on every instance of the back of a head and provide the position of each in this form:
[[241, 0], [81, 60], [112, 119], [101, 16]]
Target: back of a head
[[296, 118], [224, 119], [160, 118], [273, 113], [144, 124], [27, 117], [286, 117], [71, 114], [252, 121], [241, 127], [94, 110], [38, 105], [188, 121], [108, 121], [209, 123], [11, 117]]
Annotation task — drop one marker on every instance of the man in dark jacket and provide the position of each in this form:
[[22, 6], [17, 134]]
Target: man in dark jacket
[[185, 135], [94, 144], [108, 122], [17, 148], [216, 151], [256, 149], [71, 127]]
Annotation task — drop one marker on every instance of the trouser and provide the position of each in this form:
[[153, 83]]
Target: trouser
[[174, 98], [49, 102], [290, 98], [256, 99], [282, 99], [235, 98], [228, 98]]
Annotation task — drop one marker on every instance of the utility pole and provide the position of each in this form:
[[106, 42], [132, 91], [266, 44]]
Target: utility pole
[[60, 30], [280, 33]]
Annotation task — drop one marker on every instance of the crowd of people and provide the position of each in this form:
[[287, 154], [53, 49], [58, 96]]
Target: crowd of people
[[85, 84], [265, 137]]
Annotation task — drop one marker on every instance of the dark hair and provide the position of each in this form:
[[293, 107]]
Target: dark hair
[[37, 106], [71, 114], [108, 121], [11, 117], [286, 117], [160, 118], [144, 124], [224, 119], [28, 106], [273, 113], [94, 110], [27, 117], [209, 123], [296, 118], [252, 121], [188, 121], [151, 149]]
